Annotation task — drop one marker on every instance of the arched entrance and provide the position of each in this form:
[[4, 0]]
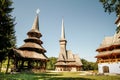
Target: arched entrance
[[105, 69]]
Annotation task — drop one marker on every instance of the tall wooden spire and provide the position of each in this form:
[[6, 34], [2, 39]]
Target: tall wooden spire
[[36, 21], [63, 43], [35, 27], [62, 31]]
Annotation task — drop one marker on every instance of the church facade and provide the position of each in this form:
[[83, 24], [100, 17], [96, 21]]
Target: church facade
[[67, 61], [108, 57]]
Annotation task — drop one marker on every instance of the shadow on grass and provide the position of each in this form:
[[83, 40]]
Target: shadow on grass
[[58, 76], [38, 76], [65, 78]]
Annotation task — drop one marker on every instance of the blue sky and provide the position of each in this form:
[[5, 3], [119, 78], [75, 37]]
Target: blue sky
[[86, 24]]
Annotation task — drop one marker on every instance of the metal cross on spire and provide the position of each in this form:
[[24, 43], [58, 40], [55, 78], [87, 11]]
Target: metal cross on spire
[[38, 11]]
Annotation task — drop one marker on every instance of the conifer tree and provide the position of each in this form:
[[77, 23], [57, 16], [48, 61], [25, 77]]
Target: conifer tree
[[7, 33]]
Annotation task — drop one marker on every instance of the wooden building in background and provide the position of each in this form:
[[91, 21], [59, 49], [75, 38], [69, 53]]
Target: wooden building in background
[[108, 57], [67, 61], [31, 56]]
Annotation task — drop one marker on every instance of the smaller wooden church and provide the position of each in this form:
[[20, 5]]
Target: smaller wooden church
[[67, 61], [108, 57], [31, 55]]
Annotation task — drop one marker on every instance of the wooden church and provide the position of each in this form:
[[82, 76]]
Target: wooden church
[[31, 55], [108, 57], [67, 61]]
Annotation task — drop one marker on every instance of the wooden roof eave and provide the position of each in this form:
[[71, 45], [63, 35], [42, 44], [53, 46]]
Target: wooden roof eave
[[99, 49], [114, 45], [116, 52], [33, 55], [26, 58], [30, 39], [32, 49], [103, 55]]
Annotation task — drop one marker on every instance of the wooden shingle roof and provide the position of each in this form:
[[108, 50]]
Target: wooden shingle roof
[[33, 45], [109, 44], [70, 60], [29, 54]]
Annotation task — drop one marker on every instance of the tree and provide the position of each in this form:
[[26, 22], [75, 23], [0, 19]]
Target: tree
[[89, 65], [111, 6], [51, 63], [7, 33]]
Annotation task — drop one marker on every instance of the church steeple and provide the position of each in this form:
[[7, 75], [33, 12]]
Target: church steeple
[[36, 23], [63, 43], [67, 61], [62, 31], [34, 32]]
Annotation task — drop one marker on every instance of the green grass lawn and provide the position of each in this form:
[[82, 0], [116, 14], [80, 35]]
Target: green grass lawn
[[56, 76]]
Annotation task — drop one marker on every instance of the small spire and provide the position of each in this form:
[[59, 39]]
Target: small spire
[[62, 32], [36, 21]]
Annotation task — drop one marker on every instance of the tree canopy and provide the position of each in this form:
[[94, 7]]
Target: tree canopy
[[111, 6], [89, 65]]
